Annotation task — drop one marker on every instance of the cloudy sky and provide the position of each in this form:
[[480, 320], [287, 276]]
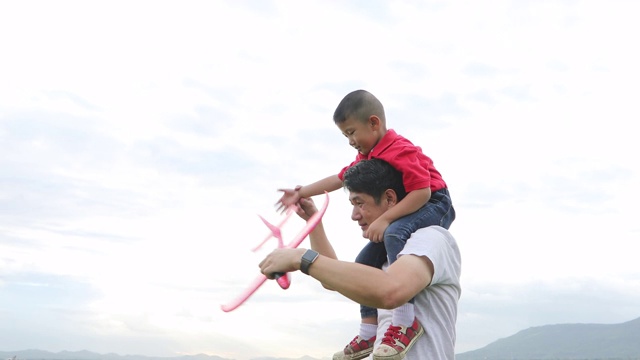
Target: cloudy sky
[[139, 140]]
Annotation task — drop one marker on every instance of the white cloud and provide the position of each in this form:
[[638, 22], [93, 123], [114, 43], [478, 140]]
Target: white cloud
[[140, 140]]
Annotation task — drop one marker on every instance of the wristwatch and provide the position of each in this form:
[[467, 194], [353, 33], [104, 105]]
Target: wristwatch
[[307, 259]]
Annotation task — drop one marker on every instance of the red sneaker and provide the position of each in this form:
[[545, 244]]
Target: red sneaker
[[397, 341], [357, 349]]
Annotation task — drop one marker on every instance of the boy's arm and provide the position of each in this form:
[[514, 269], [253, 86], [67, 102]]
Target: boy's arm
[[410, 204], [328, 184], [292, 196]]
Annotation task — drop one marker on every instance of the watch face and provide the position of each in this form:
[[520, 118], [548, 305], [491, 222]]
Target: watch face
[[309, 256], [307, 259]]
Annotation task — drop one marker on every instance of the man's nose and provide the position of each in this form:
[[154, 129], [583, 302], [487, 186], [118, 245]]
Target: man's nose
[[355, 214]]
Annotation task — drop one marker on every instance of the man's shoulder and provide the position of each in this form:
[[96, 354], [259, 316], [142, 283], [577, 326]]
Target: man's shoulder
[[431, 240], [433, 231]]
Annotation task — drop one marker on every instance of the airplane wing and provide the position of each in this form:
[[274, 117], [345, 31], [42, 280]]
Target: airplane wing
[[275, 230], [284, 278], [311, 224], [245, 295]]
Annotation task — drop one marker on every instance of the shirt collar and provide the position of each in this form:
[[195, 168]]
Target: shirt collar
[[388, 139]]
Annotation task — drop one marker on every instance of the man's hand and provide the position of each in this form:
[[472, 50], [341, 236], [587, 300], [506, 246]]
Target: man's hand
[[376, 229], [289, 197], [281, 261], [306, 208]]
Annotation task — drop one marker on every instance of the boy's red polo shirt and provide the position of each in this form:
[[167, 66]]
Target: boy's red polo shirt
[[417, 168]]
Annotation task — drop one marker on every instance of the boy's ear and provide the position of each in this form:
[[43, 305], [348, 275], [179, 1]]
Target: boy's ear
[[374, 121]]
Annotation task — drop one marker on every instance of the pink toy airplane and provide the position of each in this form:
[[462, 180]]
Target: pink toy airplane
[[283, 280]]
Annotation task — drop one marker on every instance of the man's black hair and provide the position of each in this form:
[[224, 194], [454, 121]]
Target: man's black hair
[[373, 177]]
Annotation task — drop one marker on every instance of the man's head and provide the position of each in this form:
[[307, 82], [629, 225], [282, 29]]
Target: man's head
[[374, 187], [360, 117]]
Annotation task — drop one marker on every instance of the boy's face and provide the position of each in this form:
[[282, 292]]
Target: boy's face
[[362, 135]]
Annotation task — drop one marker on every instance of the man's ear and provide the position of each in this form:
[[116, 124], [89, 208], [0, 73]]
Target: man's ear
[[390, 197]]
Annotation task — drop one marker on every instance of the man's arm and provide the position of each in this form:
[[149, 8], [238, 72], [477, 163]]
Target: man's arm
[[317, 237], [366, 285], [320, 242]]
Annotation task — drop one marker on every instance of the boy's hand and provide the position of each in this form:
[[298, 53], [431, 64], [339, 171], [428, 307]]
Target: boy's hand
[[376, 229], [289, 197]]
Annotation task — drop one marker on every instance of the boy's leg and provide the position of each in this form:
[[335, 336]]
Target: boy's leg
[[373, 254], [405, 328], [395, 238], [442, 208], [438, 211]]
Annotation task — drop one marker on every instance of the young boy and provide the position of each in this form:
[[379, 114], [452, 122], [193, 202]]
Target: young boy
[[360, 117]]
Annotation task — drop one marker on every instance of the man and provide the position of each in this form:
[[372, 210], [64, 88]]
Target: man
[[428, 268]]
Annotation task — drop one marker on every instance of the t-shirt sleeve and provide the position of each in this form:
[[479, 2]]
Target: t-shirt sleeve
[[439, 246], [409, 160]]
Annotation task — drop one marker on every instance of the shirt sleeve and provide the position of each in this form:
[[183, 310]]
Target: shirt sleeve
[[437, 244], [344, 169]]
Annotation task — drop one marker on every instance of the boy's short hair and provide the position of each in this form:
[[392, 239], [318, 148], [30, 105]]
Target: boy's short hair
[[373, 177], [359, 104]]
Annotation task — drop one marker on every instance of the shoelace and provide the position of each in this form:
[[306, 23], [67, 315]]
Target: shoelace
[[391, 335]]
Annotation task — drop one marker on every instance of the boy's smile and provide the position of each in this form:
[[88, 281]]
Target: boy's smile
[[362, 135]]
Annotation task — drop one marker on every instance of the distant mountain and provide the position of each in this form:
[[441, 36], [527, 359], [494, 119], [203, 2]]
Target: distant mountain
[[88, 355], [566, 342], [302, 358], [549, 342]]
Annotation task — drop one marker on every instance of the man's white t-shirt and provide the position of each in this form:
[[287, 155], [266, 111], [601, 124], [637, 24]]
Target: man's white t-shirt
[[437, 305]]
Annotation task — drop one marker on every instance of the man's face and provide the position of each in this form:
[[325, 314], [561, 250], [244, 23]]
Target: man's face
[[365, 210]]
